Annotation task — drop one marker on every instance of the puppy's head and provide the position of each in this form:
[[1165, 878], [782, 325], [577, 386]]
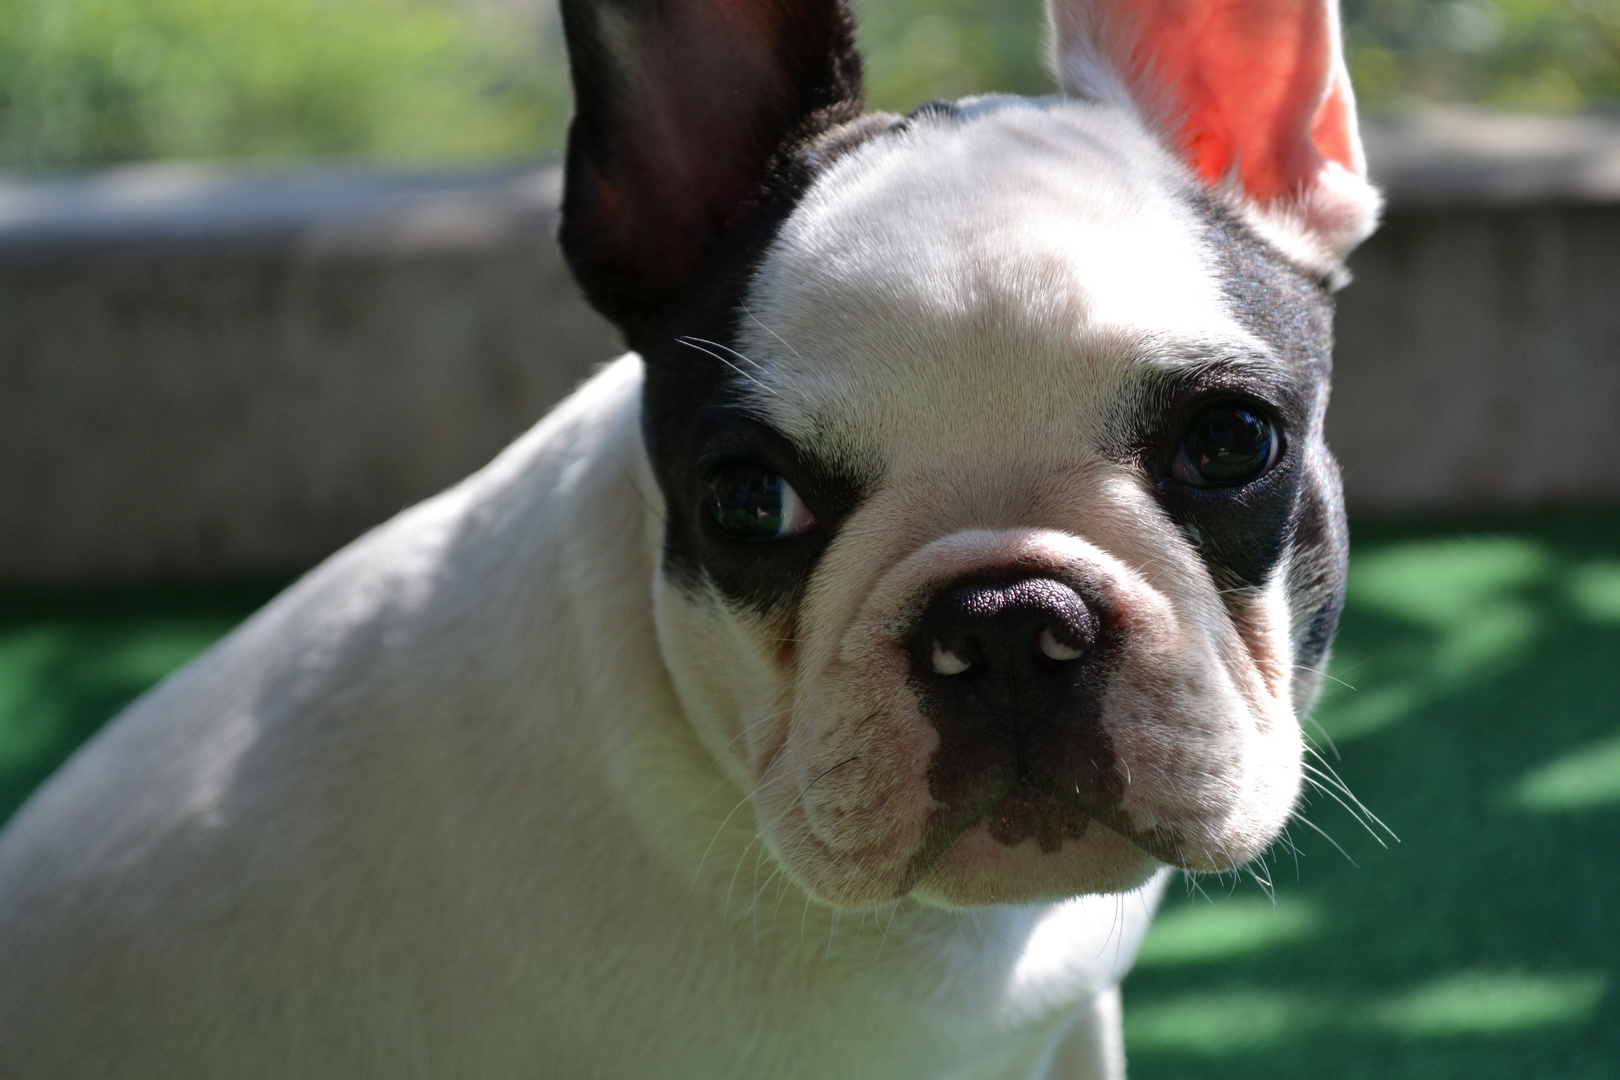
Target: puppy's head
[[1002, 545]]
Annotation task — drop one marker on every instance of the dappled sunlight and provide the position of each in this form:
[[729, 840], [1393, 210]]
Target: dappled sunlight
[[1445, 584], [1471, 606], [1469, 1004], [1463, 597], [1496, 635], [1241, 1021], [1477, 711], [1349, 712], [1481, 1003], [1585, 779], [1224, 928], [1594, 590]]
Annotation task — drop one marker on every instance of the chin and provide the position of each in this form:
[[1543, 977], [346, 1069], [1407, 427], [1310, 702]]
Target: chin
[[977, 869]]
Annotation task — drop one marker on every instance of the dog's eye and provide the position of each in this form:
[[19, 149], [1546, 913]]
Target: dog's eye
[[749, 502], [1225, 445]]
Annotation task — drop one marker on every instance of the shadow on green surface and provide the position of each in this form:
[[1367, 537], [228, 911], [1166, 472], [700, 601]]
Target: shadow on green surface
[[1484, 728]]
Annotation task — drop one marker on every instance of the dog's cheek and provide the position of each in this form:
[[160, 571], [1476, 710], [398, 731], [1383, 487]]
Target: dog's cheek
[[730, 675], [1274, 746], [1262, 621], [1317, 566], [847, 801], [871, 748], [1205, 735]]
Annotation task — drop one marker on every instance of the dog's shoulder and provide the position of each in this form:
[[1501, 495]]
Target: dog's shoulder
[[320, 781], [359, 646]]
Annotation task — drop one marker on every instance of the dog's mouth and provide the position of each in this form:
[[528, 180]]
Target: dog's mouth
[[1024, 810]]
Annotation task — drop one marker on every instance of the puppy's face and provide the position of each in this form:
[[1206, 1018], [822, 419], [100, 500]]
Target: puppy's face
[[1001, 543]]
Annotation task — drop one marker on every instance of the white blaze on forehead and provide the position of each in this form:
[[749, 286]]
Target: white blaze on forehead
[[997, 262]]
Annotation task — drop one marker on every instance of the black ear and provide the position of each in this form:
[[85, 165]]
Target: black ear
[[679, 108]]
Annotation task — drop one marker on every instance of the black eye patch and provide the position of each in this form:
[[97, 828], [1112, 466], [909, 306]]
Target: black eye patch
[[753, 510], [1221, 447]]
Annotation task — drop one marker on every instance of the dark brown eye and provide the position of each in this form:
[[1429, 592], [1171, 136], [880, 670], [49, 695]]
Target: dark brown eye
[[751, 503], [1225, 445]]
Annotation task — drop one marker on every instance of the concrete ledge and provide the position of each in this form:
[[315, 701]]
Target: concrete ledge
[[149, 210], [1478, 360], [1456, 159], [208, 371]]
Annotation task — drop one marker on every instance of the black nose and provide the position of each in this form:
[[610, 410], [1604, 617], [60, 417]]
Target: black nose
[[1011, 652]]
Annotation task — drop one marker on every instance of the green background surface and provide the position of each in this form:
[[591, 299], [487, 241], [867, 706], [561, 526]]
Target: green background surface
[[1483, 728]]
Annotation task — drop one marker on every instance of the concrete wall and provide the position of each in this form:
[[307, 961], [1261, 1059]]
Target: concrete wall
[[1478, 355], [205, 374], [1478, 360], [208, 372]]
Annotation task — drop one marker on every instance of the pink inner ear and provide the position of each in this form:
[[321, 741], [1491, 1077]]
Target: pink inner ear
[[1333, 130], [1251, 88]]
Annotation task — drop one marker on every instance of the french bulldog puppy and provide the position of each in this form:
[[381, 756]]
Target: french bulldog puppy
[[826, 687]]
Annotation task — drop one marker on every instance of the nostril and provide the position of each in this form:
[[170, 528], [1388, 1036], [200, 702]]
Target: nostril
[[1053, 649], [946, 662]]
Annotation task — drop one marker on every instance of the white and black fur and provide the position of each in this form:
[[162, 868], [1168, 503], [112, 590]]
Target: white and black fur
[[552, 775]]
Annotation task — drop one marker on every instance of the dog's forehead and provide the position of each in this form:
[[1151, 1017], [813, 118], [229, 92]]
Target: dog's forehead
[[1005, 257]]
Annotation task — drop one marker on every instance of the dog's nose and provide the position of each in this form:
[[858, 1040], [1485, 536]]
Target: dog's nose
[[1008, 651]]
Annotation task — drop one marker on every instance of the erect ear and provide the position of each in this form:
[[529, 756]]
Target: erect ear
[[679, 108], [1253, 95]]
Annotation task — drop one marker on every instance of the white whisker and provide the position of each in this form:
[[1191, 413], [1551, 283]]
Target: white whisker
[[1327, 772], [1324, 732], [691, 343], [1322, 673], [771, 332], [1330, 793], [744, 357], [1309, 824], [750, 727], [717, 833], [725, 908]]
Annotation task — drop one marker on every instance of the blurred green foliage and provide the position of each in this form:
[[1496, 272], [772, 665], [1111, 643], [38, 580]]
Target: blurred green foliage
[[86, 82], [95, 81], [916, 50], [1517, 54]]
